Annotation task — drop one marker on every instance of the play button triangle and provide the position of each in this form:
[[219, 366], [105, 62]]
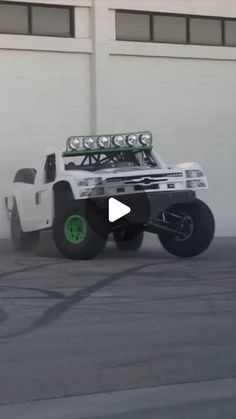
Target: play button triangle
[[117, 210]]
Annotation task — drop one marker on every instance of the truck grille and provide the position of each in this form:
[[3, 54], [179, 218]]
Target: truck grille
[[144, 181]]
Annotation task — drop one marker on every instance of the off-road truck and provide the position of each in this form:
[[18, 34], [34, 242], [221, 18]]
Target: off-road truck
[[70, 189]]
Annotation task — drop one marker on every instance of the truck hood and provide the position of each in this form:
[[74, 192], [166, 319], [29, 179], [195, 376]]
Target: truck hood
[[123, 170]]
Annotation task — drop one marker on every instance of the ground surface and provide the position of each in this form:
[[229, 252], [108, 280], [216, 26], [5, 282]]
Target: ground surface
[[144, 321]]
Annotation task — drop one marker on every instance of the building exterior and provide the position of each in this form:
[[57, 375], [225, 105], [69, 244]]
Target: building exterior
[[71, 67]]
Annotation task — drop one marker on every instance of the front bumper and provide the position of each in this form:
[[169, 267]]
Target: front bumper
[[144, 206]]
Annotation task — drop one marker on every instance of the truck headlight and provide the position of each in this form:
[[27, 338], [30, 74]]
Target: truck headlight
[[146, 139], [75, 143], [90, 181], [119, 141], [132, 140], [196, 183], [97, 191], [193, 173], [104, 142], [89, 143]]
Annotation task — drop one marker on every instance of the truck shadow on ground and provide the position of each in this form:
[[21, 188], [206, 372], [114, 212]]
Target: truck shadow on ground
[[150, 250], [47, 248]]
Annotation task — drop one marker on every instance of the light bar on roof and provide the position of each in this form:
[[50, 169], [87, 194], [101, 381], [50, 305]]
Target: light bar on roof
[[102, 143]]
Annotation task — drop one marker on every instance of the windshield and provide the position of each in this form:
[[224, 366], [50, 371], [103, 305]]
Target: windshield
[[123, 159]]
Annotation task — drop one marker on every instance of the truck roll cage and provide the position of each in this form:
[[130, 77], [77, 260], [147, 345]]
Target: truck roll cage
[[117, 158]]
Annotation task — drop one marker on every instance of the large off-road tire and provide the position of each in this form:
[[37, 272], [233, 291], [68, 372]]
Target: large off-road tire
[[74, 237], [22, 241], [200, 234], [129, 238]]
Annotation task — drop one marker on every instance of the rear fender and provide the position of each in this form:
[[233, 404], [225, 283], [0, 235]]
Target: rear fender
[[15, 196]]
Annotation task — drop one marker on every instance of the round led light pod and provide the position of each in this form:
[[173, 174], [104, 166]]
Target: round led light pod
[[132, 140], [119, 141], [75, 143], [146, 139], [89, 143], [104, 142]]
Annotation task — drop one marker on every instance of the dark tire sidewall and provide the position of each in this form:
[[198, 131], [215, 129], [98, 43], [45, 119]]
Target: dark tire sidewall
[[16, 230], [202, 234], [132, 239], [22, 241]]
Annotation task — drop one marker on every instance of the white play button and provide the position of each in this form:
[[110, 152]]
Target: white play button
[[117, 210]]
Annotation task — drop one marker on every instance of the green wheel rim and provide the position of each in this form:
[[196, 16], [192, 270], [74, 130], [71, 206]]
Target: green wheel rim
[[75, 229]]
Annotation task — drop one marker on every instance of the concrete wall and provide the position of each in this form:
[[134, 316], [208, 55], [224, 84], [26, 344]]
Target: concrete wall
[[186, 95]]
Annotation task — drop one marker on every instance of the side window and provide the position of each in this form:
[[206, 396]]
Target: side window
[[50, 168]]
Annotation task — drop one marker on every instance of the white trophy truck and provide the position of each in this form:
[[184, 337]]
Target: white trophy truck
[[69, 193]]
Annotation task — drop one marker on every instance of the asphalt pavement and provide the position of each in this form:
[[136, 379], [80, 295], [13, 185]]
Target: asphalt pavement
[[127, 335]]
